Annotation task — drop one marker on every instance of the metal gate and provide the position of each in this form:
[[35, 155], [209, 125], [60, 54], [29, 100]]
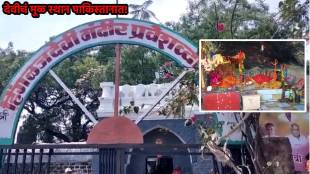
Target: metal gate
[[111, 159]]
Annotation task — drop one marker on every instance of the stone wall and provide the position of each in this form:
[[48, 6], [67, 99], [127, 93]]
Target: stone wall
[[55, 168], [77, 168], [79, 164]]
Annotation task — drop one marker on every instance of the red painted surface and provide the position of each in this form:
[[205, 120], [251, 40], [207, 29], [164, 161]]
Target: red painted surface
[[115, 130], [221, 101]]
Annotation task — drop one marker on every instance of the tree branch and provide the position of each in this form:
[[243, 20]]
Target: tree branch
[[57, 135], [217, 20], [30, 107], [232, 19], [235, 128]]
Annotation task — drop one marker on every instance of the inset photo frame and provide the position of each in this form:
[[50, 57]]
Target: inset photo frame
[[252, 75]]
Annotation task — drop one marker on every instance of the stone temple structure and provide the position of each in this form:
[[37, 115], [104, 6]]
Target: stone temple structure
[[156, 129]]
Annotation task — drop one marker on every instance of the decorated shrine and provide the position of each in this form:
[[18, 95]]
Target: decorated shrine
[[252, 78]]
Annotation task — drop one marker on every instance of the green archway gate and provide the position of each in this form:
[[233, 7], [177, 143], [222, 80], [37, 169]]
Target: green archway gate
[[106, 31]]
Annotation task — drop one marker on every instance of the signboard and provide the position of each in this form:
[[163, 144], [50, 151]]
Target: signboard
[[295, 126], [91, 34]]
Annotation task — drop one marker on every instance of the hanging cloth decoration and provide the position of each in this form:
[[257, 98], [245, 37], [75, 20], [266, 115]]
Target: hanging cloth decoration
[[220, 27]]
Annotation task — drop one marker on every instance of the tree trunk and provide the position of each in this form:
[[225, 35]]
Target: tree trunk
[[217, 21], [232, 19]]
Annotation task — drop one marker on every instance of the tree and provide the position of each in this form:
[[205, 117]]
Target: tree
[[138, 65], [10, 62], [142, 12], [240, 18], [56, 116], [52, 116], [293, 19]]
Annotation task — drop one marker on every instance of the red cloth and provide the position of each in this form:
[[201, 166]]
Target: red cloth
[[176, 172], [221, 101], [220, 27]]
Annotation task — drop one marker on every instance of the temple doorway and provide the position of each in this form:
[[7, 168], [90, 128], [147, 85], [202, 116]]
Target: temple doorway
[[148, 161]]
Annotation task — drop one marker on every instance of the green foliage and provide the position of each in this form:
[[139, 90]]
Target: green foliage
[[138, 65], [106, 54], [142, 12], [293, 19], [28, 132], [49, 107], [50, 115], [10, 62], [241, 20], [185, 95], [130, 109]]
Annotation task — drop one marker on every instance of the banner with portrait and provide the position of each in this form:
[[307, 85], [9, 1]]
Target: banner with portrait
[[294, 126]]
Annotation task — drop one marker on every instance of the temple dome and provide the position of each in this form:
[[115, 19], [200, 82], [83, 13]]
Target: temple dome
[[115, 130]]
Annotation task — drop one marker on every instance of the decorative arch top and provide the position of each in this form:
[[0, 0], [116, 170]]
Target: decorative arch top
[[106, 31]]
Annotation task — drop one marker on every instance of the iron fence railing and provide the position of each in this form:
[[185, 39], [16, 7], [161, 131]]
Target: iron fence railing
[[37, 158]]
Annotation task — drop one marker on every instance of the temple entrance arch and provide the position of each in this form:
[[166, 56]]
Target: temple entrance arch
[[106, 31]]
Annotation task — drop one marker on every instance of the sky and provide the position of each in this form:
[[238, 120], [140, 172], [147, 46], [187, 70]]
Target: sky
[[30, 34]]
